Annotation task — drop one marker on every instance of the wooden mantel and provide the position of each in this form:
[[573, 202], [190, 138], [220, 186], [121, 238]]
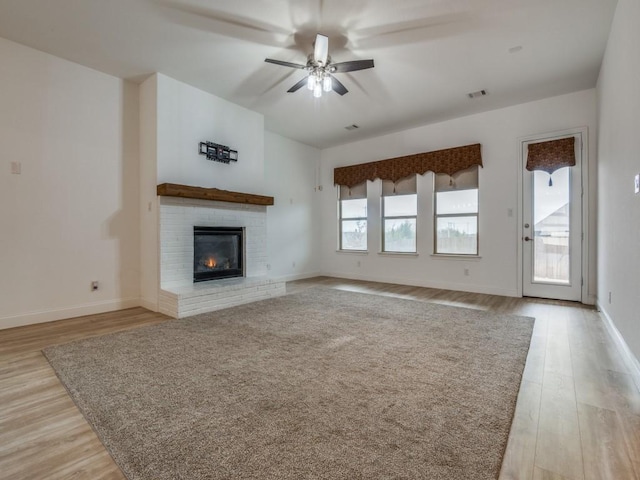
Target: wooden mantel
[[186, 191]]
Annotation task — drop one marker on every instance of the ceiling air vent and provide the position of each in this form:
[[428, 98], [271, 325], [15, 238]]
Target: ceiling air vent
[[479, 93], [351, 127]]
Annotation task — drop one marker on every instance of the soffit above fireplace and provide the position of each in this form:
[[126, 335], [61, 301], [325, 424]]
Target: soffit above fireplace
[[215, 194]]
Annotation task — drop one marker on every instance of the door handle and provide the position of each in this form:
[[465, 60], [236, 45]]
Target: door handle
[[528, 239]]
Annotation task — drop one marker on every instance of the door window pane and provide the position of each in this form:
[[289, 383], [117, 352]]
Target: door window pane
[[551, 252]]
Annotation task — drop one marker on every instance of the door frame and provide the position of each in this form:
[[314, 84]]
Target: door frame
[[540, 137]]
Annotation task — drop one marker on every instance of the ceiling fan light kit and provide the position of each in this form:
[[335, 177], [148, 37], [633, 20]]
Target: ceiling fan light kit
[[318, 81], [320, 69]]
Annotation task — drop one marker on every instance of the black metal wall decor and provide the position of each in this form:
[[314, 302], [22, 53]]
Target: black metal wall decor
[[218, 153]]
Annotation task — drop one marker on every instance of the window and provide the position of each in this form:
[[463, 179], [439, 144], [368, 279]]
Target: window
[[399, 215], [456, 213], [352, 211]]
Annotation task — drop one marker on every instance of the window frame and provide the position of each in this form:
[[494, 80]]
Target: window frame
[[436, 216], [384, 218]]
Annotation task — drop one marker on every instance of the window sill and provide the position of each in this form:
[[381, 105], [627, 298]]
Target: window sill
[[453, 256], [399, 254], [354, 252]]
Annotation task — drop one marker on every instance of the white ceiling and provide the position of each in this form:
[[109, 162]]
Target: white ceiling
[[428, 53]]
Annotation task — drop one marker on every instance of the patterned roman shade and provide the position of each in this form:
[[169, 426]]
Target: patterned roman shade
[[353, 192], [406, 186], [449, 161], [552, 155], [462, 180]]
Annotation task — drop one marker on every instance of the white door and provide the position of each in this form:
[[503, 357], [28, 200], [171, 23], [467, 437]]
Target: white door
[[552, 228]]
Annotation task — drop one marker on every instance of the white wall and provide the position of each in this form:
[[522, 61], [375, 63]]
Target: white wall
[[148, 202], [498, 131], [72, 215], [175, 117], [618, 163], [76, 133], [293, 221], [187, 116]]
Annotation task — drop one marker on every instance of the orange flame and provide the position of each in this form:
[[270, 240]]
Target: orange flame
[[210, 263]]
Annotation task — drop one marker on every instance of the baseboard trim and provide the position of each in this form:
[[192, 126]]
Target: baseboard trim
[[297, 276], [62, 313], [149, 305], [428, 284], [627, 355]]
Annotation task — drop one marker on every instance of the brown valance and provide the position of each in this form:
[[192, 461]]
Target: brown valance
[[552, 155], [449, 161]]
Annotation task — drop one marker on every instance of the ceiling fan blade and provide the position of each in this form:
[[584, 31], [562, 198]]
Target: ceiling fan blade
[[351, 66], [338, 87], [284, 64], [298, 85], [223, 23], [321, 52], [420, 29]]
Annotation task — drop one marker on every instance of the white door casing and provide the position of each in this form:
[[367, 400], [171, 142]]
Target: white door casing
[[551, 226]]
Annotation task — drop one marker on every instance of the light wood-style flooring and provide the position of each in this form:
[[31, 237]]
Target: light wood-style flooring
[[577, 416]]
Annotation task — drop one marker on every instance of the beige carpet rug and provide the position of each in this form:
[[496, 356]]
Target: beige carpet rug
[[322, 384]]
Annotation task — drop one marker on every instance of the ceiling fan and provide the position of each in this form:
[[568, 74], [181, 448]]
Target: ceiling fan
[[321, 70]]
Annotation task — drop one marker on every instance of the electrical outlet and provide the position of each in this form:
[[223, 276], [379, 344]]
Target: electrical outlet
[[609, 298], [16, 168], [358, 263], [293, 264], [466, 272], [268, 266], [94, 285]]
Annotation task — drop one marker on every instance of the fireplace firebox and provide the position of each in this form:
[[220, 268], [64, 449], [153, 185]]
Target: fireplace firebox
[[217, 253]]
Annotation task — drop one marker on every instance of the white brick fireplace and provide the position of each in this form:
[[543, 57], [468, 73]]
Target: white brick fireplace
[[179, 296]]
